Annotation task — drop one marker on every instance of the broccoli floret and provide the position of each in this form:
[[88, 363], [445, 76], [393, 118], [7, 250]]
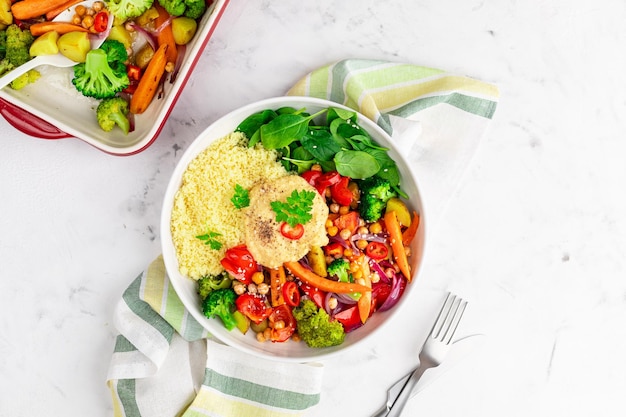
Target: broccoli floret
[[3, 44], [116, 51], [221, 303], [5, 66], [18, 43], [339, 268], [375, 192], [190, 8], [96, 78], [316, 328], [23, 80], [127, 9], [113, 111], [209, 283]]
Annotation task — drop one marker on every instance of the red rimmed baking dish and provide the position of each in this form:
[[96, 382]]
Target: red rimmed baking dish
[[51, 108]]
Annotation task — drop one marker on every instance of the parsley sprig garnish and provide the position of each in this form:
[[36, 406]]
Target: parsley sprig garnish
[[210, 239], [297, 208], [241, 198]]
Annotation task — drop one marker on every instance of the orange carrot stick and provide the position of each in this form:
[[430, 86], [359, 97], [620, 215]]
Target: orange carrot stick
[[60, 9], [165, 36], [409, 233], [28, 9], [149, 82], [365, 301], [277, 279], [38, 29], [395, 238], [328, 285]]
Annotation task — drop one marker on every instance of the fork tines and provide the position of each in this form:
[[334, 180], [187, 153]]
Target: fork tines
[[449, 318]]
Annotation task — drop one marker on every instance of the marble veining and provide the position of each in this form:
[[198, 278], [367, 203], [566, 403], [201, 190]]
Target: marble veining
[[534, 236]]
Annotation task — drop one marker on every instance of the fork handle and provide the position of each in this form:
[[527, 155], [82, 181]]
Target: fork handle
[[405, 394]]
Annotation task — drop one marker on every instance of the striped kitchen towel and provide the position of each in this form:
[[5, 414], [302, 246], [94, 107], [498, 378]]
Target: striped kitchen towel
[[165, 364]]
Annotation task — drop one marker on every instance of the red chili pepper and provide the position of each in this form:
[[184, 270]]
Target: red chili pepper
[[293, 233], [318, 296], [281, 313], [291, 293], [100, 21], [253, 307], [340, 192], [239, 263], [376, 250]]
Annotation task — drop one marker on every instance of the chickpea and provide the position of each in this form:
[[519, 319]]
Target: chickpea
[[258, 277], [390, 272], [358, 275], [332, 231], [344, 209], [362, 230], [76, 19], [295, 337], [90, 12], [354, 266], [362, 244], [328, 223], [263, 288], [376, 228], [332, 303], [334, 208], [97, 6], [345, 234], [316, 167], [80, 10], [348, 253], [374, 278], [87, 22], [239, 288], [252, 289], [280, 324], [169, 67], [267, 333], [407, 251], [260, 337]]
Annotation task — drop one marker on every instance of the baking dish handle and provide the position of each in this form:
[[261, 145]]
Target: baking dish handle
[[29, 124]]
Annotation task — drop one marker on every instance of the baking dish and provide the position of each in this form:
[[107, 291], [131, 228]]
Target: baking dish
[[51, 108]]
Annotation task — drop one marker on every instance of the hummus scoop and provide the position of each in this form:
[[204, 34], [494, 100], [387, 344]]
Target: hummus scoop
[[263, 235]]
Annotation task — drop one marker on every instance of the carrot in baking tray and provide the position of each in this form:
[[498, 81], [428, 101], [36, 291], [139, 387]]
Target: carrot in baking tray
[[61, 8], [149, 82], [38, 29], [165, 34], [29, 9]]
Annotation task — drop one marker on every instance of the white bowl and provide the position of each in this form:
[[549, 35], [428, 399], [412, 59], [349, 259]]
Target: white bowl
[[186, 287]]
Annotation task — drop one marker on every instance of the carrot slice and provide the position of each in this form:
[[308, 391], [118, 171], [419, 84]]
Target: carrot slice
[[309, 277], [165, 36], [365, 301], [38, 29], [395, 237], [277, 279], [149, 82], [411, 231], [28, 9]]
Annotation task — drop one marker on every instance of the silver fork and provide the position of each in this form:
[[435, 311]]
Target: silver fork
[[432, 354]]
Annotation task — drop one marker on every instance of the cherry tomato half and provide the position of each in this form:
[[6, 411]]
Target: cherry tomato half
[[100, 21], [327, 179], [291, 294], [293, 233], [376, 250], [281, 313], [252, 307], [239, 263]]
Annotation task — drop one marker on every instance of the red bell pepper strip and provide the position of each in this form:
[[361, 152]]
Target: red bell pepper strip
[[315, 294], [349, 318]]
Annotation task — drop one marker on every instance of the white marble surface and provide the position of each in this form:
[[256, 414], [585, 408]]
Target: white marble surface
[[534, 237]]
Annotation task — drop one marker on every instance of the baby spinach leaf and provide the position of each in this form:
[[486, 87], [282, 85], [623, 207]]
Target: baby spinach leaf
[[253, 123], [284, 129], [337, 113], [356, 164], [321, 144]]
